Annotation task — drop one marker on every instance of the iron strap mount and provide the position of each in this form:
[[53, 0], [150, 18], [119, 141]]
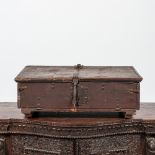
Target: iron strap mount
[[75, 84]]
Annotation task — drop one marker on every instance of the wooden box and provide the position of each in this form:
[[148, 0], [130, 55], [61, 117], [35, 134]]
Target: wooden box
[[79, 89]]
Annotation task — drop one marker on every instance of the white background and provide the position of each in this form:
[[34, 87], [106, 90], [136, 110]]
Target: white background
[[67, 32]]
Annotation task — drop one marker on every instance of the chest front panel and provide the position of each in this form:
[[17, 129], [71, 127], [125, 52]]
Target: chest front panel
[[89, 95]]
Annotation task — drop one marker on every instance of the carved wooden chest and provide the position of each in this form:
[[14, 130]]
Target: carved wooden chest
[[78, 89], [76, 136]]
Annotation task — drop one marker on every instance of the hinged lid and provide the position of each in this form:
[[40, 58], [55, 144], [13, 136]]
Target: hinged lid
[[85, 73]]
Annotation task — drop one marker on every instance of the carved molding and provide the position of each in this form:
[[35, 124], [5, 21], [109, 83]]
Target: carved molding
[[150, 145], [69, 136], [2, 147], [28, 131], [28, 149], [86, 132], [109, 152]]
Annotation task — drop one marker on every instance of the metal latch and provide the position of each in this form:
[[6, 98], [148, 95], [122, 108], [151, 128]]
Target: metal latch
[[75, 91], [22, 88], [75, 85], [136, 91], [78, 66]]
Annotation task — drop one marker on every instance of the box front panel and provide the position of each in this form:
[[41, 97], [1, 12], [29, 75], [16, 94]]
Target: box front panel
[[45, 95], [108, 95]]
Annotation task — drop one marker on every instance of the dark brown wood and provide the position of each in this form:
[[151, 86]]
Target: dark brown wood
[[86, 73], [78, 89], [77, 136], [9, 110]]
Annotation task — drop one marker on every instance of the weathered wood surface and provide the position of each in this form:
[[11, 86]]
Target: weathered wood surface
[[65, 73]]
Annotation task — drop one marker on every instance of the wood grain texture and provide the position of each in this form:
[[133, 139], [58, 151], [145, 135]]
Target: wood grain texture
[[78, 89], [65, 73]]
